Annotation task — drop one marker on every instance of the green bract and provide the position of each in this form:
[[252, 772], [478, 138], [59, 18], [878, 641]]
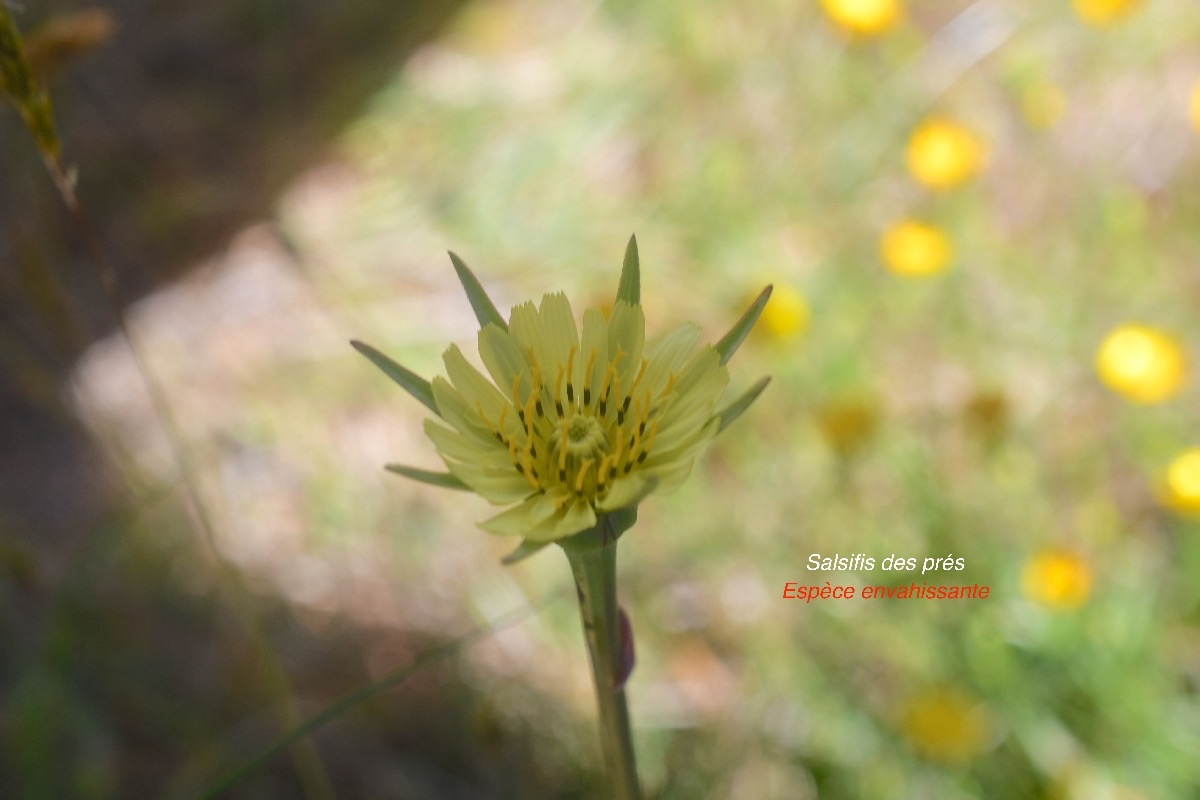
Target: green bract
[[576, 422]]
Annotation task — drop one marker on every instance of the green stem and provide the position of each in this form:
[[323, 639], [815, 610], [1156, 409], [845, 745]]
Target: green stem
[[593, 558]]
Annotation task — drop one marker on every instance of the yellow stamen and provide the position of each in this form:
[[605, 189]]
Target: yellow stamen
[[638, 379], [562, 447], [650, 438], [606, 465], [670, 385], [528, 473], [587, 379], [529, 404], [583, 471], [570, 363]]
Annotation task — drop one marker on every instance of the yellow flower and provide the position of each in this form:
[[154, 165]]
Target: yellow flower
[[848, 426], [574, 424], [1103, 12], [864, 17], [1183, 482], [1057, 579], [1143, 364], [915, 249], [946, 726], [943, 154], [1194, 107], [786, 316]]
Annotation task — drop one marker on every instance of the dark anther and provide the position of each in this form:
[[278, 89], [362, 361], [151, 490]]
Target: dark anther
[[587, 396], [570, 393], [558, 407], [538, 406], [562, 475], [642, 456]]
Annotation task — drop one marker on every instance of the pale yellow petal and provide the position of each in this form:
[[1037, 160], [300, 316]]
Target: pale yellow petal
[[668, 355], [464, 447], [577, 517], [516, 521], [559, 334], [498, 487], [627, 331], [624, 492], [475, 389], [549, 503], [504, 361], [593, 354]]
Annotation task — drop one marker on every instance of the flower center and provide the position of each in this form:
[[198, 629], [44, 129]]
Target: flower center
[[579, 436], [585, 437]]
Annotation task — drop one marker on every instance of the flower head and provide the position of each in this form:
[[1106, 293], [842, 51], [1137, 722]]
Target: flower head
[[1141, 363], [947, 725], [943, 154], [1182, 489], [864, 17], [915, 249], [1103, 12], [574, 423], [1057, 579]]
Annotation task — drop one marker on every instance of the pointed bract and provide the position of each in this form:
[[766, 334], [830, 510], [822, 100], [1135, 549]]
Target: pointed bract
[[737, 334], [443, 479], [734, 410], [630, 287], [481, 304], [412, 383], [524, 550]]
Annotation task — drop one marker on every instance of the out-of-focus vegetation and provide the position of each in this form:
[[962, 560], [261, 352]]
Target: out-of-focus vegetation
[[980, 222]]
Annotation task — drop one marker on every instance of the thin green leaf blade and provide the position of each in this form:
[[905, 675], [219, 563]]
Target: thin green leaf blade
[[442, 479], [737, 334], [524, 550], [412, 383], [630, 287], [735, 409], [425, 659], [485, 310]]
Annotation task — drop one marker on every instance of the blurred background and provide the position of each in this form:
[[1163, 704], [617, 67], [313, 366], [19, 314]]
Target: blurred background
[[980, 221]]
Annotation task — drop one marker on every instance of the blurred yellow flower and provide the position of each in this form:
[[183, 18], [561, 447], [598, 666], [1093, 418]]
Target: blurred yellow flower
[[1183, 481], [847, 426], [785, 317], [1194, 107], [914, 249], [1142, 364], [1057, 579], [1103, 12], [864, 17], [943, 154], [946, 726]]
